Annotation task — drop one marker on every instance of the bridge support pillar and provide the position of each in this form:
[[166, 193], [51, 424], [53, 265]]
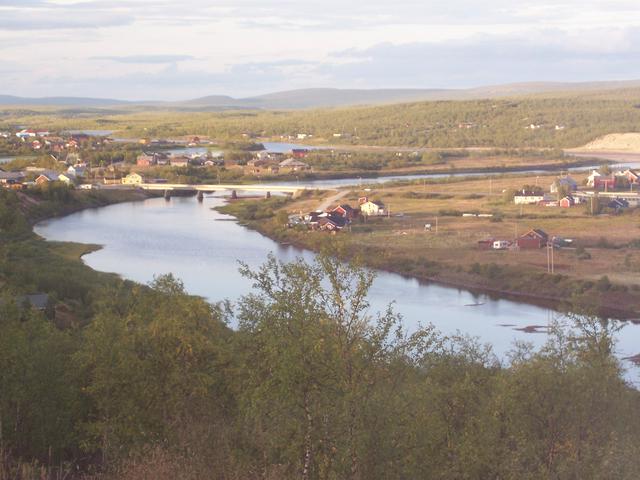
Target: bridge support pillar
[[200, 196], [268, 195], [167, 195], [234, 195]]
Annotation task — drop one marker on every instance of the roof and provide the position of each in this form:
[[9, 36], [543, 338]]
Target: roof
[[50, 175], [36, 300], [11, 175], [292, 162], [536, 233]]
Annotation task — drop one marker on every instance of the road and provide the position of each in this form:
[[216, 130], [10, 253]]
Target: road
[[332, 200]]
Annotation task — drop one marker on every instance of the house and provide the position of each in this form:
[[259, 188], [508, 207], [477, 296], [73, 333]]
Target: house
[[66, 178], [370, 208], [332, 223], [567, 202], [22, 134], [146, 160], [133, 179], [258, 166], [567, 184], [526, 197], [77, 171], [47, 176], [39, 301], [631, 176], [533, 239], [345, 211], [604, 183], [11, 178], [293, 165], [179, 161], [299, 152], [214, 162]]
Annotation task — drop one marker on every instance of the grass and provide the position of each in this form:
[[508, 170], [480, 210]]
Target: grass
[[401, 243]]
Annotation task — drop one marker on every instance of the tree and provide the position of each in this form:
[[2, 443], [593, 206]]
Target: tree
[[315, 360], [152, 362]]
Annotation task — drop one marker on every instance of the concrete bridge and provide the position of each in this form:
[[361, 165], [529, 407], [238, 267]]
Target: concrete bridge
[[221, 187]]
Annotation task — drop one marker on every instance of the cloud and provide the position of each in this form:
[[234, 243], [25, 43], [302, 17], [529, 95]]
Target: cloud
[[146, 59], [486, 59]]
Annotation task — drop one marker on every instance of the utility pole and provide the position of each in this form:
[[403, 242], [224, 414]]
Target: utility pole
[[436, 225], [490, 186]]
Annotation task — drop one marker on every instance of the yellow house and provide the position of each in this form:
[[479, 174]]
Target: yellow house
[[65, 178], [369, 208], [132, 179]]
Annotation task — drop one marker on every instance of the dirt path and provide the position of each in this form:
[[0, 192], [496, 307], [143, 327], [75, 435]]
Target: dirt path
[[332, 199]]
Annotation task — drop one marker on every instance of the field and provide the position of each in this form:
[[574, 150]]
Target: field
[[602, 257]]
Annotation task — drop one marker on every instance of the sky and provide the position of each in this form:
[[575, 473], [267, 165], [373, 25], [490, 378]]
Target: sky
[[170, 50]]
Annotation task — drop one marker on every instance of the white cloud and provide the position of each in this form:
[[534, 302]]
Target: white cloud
[[170, 49]]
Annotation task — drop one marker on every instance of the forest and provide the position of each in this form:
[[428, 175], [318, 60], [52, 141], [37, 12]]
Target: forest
[[553, 120], [297, 379]]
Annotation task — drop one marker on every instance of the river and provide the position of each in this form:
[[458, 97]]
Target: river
[[202, 247]]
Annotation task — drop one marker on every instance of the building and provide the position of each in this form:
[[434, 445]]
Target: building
[[146, 160], [77, 171], [66, 178], [567, 202], [293, 165], [299, 152], [133, 179], [533, 239], [258, 166], [528, 198], [605, 183], [179, 161], [567, 184], [47, 176], [11, 178], [369, 208], [345, 211], [332, 223]]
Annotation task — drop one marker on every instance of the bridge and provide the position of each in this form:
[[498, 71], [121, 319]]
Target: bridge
[[168, 187]]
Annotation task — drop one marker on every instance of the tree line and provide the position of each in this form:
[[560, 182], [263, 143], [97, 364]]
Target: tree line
[[297, 379]]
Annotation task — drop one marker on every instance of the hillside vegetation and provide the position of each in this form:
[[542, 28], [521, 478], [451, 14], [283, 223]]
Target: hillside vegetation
[[539, 121], [149, 382]]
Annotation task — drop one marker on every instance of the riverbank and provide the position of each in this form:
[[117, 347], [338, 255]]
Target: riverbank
[[405, 252], [38, 206]]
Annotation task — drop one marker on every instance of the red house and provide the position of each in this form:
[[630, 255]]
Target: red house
[[604, 183], [345, 211], [567, 202], [146, 160], [533, 239], [299, 152]]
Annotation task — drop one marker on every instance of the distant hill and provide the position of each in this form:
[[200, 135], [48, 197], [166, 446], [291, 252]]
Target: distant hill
[[333, 97], [59, 101]]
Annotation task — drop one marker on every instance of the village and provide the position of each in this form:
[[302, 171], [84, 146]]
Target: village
[[89, 161]]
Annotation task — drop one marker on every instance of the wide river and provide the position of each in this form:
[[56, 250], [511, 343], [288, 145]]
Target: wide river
[[203, 247]]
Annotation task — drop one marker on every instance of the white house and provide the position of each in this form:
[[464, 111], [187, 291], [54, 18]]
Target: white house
[[528, 198], [591, 178], [370, 208], [77, 171]]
